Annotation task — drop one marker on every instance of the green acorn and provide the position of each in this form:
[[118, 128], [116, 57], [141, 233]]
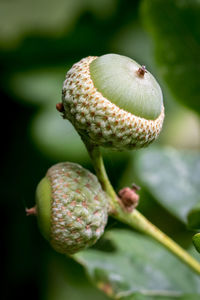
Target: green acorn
[[196, 241], [113, 101], [71, 207]]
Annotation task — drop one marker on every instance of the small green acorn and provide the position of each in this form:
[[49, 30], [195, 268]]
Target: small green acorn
[[113, 101], [196, 241], [71, 207]]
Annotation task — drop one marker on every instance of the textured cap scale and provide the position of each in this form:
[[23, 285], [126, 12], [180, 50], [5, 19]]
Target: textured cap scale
[[103, 112], [73, 213]]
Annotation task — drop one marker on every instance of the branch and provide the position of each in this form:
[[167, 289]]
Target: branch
[[135, 219]]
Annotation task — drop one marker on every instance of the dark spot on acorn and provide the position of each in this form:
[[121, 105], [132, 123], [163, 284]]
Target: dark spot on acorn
[[60, 107], [141, 71]]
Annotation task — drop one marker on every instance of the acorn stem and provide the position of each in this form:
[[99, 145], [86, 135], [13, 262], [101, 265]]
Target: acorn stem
[[135, 219], [100, 170]]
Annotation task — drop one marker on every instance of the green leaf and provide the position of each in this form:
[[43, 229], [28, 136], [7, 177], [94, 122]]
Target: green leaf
[[137, 265], [172, 177], [146, 297], [174, 26], [39, 86], [142, 297], [57, 138], [67, 280], [19, 18], [45, 17]]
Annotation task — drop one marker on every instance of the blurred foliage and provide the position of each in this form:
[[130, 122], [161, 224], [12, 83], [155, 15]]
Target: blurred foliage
[[67, 280], [159, 171], [194, 217], [52, 18], [174, 26], [144, 297], [39, 41], [136, 264], [56, 137]]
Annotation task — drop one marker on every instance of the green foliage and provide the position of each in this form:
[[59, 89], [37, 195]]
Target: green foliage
[[172, 177], [194, 217], [137, 265], [57, 138], [67, 280], [180, 297], [39, 41], [48, 17], [174, 26], [41, 86]]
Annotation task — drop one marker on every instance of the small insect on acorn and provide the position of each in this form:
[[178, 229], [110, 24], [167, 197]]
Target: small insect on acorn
[[141, 71]]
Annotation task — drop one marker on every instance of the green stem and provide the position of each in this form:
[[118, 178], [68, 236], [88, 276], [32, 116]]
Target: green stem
[[135, 219]]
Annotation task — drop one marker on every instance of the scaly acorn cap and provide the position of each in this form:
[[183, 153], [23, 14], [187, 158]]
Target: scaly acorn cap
[[113, 101], [71, 207]]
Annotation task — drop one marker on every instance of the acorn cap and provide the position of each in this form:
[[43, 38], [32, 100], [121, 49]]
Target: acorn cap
[[72, 208], [114, 101]]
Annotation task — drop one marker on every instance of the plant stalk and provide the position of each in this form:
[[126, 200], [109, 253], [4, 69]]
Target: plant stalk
[[135, 219]]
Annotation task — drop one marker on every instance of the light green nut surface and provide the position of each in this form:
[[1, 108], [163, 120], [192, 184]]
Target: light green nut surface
[[109, 102], [78, 208], [116, 77]]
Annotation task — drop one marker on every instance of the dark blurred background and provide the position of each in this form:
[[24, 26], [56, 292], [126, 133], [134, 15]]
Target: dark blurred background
[[39, 41]]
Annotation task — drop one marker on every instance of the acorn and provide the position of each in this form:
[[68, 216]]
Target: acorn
[[71, 208], [113, 101], [196, 241]]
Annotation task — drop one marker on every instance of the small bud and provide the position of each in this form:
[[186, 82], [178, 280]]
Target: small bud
[[129, 198]]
